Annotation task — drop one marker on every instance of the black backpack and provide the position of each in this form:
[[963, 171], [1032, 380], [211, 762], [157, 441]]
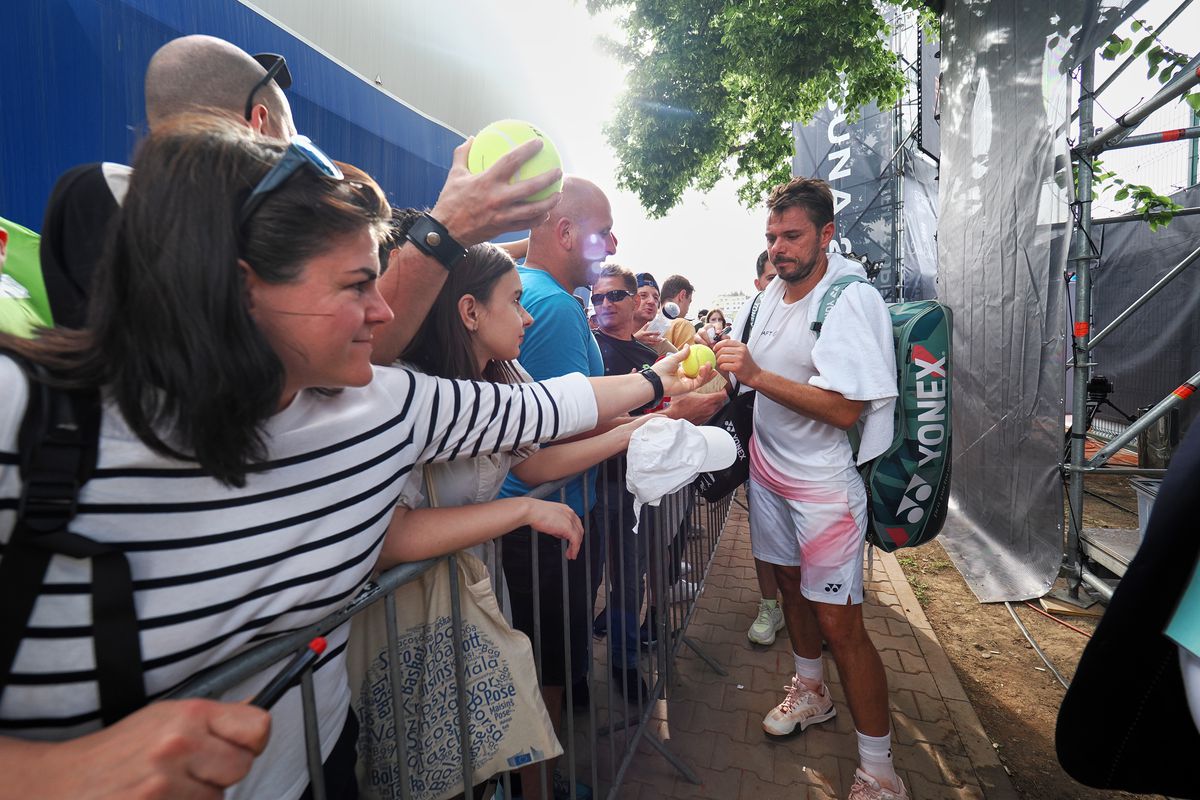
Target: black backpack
[[57, 446]]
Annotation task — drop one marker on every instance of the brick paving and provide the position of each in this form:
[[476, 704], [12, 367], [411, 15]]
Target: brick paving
[[714, 722]]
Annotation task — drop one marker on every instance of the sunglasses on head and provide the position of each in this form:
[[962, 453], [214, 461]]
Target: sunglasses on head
[[301, 151], [615, 296], [277, 70]]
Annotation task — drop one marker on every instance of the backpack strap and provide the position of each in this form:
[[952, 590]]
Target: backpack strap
[[58, 443], [831, 297], [828, 300], [732, 388]]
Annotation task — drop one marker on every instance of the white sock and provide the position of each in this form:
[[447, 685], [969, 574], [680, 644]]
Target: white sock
[[875, 754], [810, 671], [771, 602]]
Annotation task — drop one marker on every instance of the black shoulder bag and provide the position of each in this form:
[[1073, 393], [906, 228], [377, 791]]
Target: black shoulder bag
[[57, 444], [737, 417]]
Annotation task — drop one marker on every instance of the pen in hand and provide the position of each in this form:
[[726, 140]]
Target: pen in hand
[[281, 682]]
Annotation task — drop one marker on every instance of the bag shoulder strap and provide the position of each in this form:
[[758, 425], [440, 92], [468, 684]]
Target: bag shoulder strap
[[58, 442], [830, 298], [732, 388], [754, 304]]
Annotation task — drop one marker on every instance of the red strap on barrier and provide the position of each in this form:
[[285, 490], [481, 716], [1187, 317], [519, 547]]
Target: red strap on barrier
[[1184, 392], [1172, 136], [1081, 329]]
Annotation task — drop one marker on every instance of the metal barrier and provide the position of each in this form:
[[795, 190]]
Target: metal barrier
[[645, 585]]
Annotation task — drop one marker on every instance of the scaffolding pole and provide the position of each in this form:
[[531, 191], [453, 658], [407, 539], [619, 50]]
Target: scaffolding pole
[[1082, 254]]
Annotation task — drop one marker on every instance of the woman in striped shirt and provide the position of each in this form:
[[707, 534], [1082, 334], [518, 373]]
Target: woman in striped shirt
[[249, 458]]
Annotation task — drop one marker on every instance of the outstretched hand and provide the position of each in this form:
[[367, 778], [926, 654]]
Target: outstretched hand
[[557, 520], [478, 207], [675, 383], [648, 337]]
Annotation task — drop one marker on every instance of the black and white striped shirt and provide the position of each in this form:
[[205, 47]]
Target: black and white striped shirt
[[217, 569]]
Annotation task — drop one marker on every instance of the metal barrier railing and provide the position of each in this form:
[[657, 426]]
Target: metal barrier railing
[[645, 586]]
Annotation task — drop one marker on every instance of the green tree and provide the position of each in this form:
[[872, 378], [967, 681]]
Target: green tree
[[714, 86]]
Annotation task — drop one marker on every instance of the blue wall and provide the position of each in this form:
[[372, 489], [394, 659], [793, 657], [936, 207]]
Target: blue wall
[[71, 92]]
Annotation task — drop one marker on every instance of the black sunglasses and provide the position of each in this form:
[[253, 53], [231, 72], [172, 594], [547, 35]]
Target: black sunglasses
[[300, 151], [277, 70], [615, 296]]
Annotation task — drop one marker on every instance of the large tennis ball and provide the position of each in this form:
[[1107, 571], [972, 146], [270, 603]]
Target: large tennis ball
[[500, 137], [698, 356]]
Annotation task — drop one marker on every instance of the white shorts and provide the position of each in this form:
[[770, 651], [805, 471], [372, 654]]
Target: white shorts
[[822, 535]]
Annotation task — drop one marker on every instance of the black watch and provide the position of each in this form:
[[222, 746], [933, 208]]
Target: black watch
[[432, 239], [649, 374]]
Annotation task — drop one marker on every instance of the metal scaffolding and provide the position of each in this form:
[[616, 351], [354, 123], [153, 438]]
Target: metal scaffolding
[[1085, 256]]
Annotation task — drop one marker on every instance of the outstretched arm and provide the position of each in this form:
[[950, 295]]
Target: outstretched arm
[[473, 208], [419, 533], [564, 460]]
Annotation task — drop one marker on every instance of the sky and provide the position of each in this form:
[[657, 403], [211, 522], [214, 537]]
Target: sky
[[1162, 166], [709, 238]]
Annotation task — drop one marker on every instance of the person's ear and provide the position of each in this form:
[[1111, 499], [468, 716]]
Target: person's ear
[[826, 235], [260, 119], [250, 282], [468, 312], [564, 232]]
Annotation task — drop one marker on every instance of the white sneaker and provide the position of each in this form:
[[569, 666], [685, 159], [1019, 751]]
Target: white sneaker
[[802, 707], [768, 622], [867, 788]]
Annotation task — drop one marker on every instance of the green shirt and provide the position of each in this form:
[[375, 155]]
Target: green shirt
[[18, 315]]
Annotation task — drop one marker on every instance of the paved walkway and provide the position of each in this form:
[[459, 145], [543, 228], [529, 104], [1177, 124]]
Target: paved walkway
[[714, 722]]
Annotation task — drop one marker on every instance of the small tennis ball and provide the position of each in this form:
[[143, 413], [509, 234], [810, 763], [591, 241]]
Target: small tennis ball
[[500, 137], [698, 356]]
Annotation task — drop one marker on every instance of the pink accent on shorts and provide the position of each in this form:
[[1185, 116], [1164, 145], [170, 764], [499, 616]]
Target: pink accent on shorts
[[766, 475]]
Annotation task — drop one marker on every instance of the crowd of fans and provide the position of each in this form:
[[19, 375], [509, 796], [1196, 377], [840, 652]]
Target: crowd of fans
[[276, 367]]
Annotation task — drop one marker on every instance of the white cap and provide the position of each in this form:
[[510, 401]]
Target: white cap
[[666, 455]]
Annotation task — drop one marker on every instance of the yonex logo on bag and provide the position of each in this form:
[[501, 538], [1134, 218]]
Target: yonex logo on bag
[[931, 402], [917, 491], [833, 588]]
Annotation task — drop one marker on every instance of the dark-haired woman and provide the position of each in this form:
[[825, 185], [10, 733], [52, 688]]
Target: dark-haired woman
[[249, 459], [474, 331]]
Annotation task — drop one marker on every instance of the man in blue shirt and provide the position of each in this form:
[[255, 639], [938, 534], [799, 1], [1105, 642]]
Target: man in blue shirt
[[564, 253]]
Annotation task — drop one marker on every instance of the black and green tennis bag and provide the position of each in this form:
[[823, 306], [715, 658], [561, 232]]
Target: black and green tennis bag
[[908, 484]]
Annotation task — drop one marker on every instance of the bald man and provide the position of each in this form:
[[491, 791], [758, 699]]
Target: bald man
[[565, 252], [191, 73]]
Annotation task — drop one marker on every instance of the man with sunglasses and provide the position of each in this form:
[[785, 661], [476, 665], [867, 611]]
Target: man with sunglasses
[[191, 73], [201, 73]]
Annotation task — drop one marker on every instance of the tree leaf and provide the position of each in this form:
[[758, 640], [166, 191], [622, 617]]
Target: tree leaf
[[714, 85]]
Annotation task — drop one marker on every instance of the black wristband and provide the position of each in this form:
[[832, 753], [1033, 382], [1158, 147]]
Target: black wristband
[[432, 239], [649, 374]]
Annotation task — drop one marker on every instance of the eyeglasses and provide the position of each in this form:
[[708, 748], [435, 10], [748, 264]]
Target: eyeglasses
[[615, 296], [277, 70], [300, 151]]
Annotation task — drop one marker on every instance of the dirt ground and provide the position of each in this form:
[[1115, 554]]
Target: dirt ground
[[1015, 695]]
